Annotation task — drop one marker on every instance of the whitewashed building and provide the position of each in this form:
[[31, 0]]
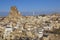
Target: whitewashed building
[[39, 32], [8, 30]]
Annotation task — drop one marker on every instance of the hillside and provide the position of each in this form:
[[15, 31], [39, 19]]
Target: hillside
[[18, 27]]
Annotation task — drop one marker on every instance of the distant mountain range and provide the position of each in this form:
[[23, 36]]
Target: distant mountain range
[[28, 13], [4, 13]]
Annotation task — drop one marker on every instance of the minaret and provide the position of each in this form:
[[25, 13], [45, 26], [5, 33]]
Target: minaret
[[33, 13]]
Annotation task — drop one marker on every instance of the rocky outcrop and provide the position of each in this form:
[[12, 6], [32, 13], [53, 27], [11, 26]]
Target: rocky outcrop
[[20, 27]]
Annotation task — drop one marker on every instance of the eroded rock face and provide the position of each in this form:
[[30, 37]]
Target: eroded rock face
[[30, 27], [14, 12]]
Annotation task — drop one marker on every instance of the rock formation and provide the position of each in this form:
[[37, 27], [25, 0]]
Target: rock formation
[[18, 27]]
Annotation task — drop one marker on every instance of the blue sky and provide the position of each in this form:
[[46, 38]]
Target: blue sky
[[30, 5]]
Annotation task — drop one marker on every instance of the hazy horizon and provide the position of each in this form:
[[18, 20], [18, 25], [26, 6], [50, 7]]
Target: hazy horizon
[[42, 6], [29, 13]]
